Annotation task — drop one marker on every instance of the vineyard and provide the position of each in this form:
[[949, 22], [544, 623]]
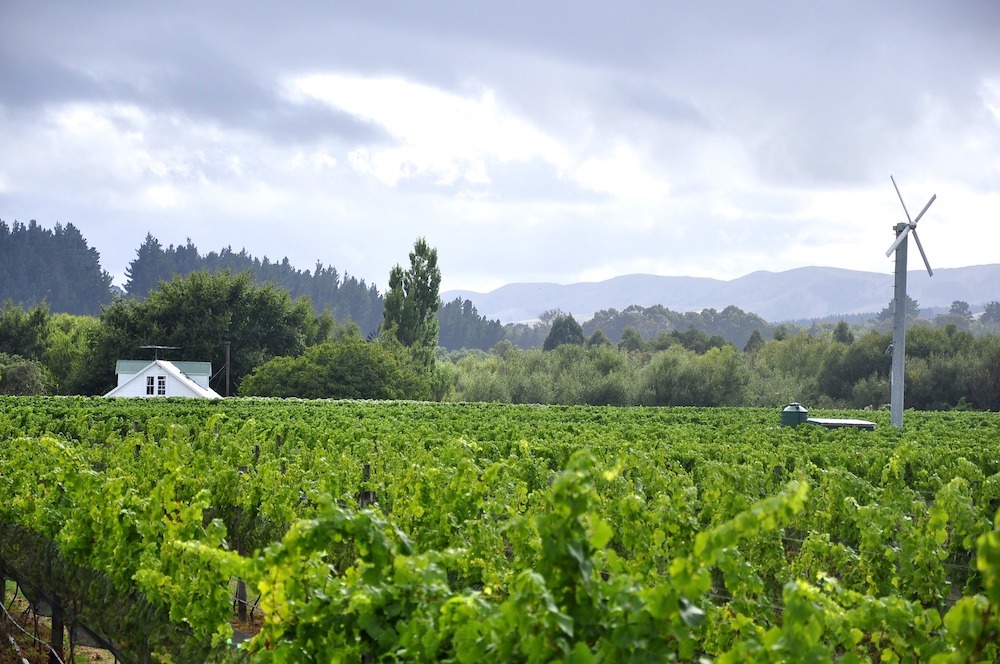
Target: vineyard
[[393, 531]]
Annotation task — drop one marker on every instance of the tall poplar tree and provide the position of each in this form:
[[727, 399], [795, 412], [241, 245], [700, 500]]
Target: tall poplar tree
[[411, 305]]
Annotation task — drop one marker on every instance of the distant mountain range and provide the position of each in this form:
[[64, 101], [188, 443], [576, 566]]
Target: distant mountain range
[[802, 293]]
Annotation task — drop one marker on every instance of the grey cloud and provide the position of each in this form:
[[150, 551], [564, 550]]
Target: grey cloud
[[29, 82], [797, 96], [648, 98], [162, 63], [310, 121]]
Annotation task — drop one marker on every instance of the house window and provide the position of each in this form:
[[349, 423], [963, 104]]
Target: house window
[[161, 386], [149, 385]]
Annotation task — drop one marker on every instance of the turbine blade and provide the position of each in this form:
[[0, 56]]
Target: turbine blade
[[927, 263], [933, 198], [900, 200], [899, 240]]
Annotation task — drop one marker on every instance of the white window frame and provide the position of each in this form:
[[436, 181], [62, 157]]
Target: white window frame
[[149, 386], [161, 386]]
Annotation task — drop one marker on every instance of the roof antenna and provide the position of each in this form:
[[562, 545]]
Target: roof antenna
[[157, 349]]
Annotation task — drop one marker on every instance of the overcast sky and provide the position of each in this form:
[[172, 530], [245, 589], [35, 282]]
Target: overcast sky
[[527, 141]]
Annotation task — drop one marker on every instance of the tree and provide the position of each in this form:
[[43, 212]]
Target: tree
[[66, 348], [991, 314], [598, 339], [52, 266], [23, 377], [549, 316], [412, 302], [344, 296], [984, 378], [959, 315], [565, 330], [844, 366], [349, 369], [754, 343], [631, 340], [199, 313], [842, 333], [58, 341], [671, 378], [149, 267], [23, 332], [885, 317], [722, 377], [463, 327], [696, 340], [960, 308]]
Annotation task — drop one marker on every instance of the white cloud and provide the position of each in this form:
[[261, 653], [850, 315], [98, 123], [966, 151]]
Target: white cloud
[[442, 135], [314, 160], [623, 141], [452, 138], [621, 174], [164, 196], [990, 93]]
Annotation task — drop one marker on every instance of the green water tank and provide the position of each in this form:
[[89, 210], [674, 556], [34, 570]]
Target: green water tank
[[794, 414]]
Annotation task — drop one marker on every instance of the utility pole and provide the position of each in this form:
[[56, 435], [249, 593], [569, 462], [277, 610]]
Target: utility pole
[[228, 343]]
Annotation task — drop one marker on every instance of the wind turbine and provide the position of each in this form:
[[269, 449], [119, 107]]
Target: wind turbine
[[899, 314]]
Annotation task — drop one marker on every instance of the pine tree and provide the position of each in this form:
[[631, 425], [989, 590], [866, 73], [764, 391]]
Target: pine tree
[[565, 330], [147, 269], [52, 266]]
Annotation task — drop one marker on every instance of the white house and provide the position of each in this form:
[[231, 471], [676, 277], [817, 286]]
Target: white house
[[160, 378]]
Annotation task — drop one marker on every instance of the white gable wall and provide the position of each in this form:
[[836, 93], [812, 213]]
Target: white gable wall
[[124, 378], [160, 373], [136, 385]]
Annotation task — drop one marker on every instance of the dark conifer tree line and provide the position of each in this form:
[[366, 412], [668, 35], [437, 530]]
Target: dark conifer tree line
[[463, 327], [53, 266], [57, 268], [344, 296]]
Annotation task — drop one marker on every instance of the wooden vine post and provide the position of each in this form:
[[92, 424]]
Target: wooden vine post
[[58, 633]]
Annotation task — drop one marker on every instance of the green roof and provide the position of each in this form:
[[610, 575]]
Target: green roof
[[189, 368]]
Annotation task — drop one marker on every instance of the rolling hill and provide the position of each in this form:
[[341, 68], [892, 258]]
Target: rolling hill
[[802, 293]]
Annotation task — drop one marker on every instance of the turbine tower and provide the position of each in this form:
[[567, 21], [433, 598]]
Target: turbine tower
[[899, 299]]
